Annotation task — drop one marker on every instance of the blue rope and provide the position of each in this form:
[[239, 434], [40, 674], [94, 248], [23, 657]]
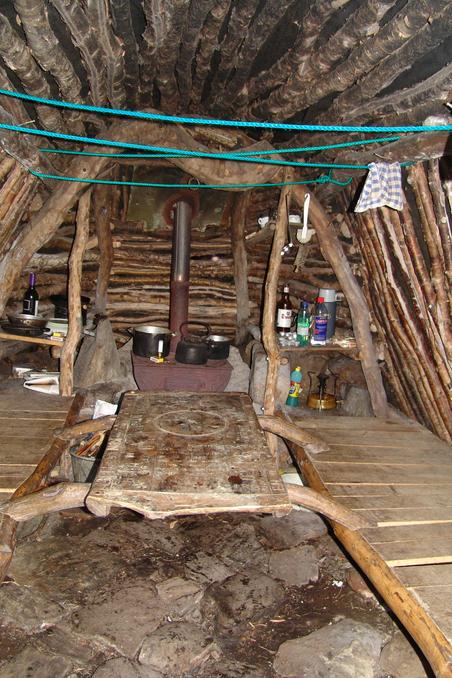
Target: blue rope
[[110, 182], [224, 123], [190, 154], [274, 151]]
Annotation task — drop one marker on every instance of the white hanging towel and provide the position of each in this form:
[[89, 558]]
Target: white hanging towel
[[383, 186]]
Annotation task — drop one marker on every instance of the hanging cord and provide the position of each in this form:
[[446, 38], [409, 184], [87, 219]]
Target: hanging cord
[[111, 182], [159, 117]]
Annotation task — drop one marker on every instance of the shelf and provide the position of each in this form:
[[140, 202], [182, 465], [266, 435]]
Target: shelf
[[328, 348], [30, 340]]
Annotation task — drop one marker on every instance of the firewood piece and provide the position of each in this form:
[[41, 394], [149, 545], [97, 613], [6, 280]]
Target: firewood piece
[[75, 311], [102, 219], [47, 51], [296, 434], [313, 500], [238, 218], [122, 23], [48, 500], [333, 252], [33, 483], [172, 19], [84, 427], [442, 220]]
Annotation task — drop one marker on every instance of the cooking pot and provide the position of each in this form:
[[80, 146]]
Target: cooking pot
[[218, 347], [150, 340], [192, 348]]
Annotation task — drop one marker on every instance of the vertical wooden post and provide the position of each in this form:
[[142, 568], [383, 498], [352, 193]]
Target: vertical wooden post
[[74, 292], [239, 255], [269, 338], [101, 196], [334, 254]]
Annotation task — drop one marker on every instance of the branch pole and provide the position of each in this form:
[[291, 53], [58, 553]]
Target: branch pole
[[240, 259], [334, 254], [101, 197], [74, 292]]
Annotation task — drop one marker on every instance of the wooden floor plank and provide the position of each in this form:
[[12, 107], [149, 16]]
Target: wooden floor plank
[[408, 533], [390, 455], [426, 575], [413, 499], [438, 605]]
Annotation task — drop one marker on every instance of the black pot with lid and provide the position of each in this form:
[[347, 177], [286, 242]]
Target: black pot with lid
[[151, 340]]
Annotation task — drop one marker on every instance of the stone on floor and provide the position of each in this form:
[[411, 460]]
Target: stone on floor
[[292, 530], [347, 649], [176, 648], [180, 596], [240, 598], [206, 569], [399, 659], [124, 618], [295, 567], [32, 663], [123, 668], [229, 668], [28, 609]]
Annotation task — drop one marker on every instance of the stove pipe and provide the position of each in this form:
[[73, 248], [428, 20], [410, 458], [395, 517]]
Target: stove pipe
[[180, 266]]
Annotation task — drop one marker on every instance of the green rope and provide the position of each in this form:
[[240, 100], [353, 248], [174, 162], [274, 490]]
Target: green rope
[[223, 123], [320, 180]]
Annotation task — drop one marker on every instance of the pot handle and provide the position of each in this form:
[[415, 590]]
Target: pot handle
[[195, 322], [129, 331]]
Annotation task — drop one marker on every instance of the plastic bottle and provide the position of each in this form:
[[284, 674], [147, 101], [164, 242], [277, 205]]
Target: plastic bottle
[[31, 297], [293, 397], [320, 326], [303, 324], [284, 313]]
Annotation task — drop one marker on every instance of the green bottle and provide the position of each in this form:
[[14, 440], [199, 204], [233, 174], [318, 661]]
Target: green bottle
[[303, 325]]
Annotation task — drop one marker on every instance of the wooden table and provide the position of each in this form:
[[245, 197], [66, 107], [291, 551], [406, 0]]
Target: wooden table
[[187, 453]]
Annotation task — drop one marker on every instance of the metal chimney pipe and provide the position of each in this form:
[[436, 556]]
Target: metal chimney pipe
[[180, 266]]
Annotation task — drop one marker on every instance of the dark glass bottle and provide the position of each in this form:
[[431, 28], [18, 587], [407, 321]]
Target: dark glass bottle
[[284, 312], [31, 297]]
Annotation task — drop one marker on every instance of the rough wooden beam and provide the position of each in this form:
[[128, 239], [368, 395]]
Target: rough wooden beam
[[308, 85], [84, 427], [190, 36], [207, 46], [100, 19], [74, 292], [293, 433], [311, 23], [49, 500], [305, 496], [333, 253], [174, 15], [238, 222], [48, 52], [122, 23], [19, 59], [85, 38], [102, 219]]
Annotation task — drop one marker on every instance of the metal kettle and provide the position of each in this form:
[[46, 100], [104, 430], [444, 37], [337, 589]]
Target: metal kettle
[[320, 399], [192, 349]]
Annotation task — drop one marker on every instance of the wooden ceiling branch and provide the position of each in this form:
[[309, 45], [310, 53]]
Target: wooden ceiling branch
[[122, 22], [48, 52], [174, 15]]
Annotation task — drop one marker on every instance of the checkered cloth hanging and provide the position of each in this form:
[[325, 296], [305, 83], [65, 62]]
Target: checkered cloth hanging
[[383, 186]]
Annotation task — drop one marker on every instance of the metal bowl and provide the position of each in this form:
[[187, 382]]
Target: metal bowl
[[27, 320]]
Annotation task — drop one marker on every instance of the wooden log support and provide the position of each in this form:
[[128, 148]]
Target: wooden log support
[[333, 252], [305, 496], [101, 198], [34, 482], [296, 434], [74, 292], [48, 500], [85, 427], [240, 265]]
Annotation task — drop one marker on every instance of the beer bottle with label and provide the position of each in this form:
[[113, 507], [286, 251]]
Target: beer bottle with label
[[284, 313]]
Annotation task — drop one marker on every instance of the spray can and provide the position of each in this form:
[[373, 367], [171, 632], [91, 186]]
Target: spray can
[[293, 397]]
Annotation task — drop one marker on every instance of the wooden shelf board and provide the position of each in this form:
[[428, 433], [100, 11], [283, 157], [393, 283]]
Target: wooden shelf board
[[30, 340]]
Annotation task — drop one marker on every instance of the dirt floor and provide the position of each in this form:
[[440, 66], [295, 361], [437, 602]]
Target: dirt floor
[[207, 597]]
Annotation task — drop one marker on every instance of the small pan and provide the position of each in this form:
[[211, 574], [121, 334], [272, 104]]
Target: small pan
[[27, 320]]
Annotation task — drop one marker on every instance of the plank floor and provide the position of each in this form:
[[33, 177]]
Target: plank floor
[[27, 419], [399, 475]]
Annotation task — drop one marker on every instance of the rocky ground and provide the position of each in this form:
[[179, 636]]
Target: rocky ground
[[226, 596]]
